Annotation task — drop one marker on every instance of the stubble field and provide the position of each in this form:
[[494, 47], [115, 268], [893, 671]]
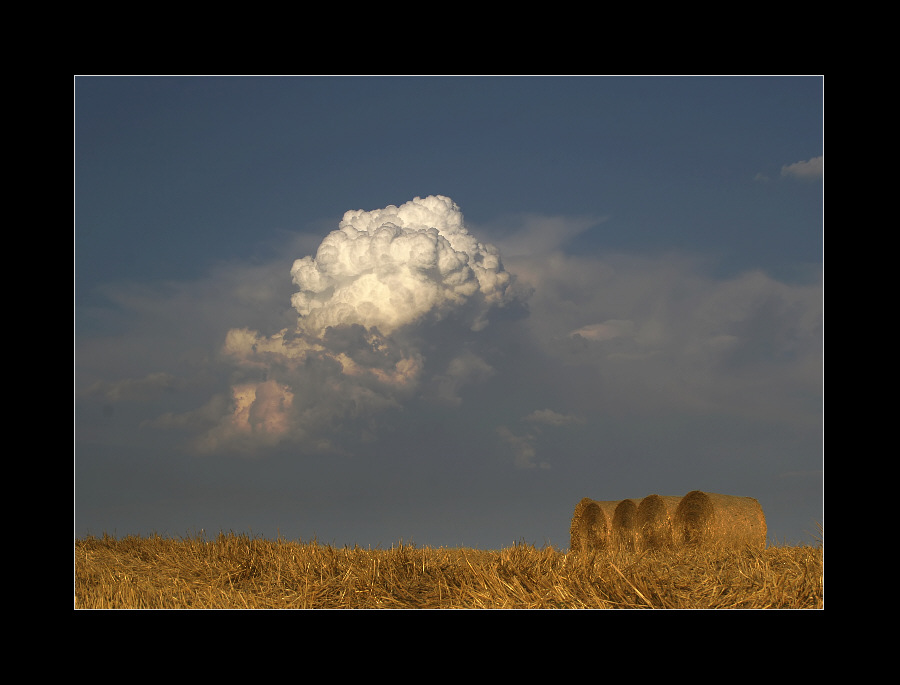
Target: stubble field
[[235, 571]]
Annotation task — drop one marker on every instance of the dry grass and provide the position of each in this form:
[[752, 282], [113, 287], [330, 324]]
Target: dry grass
[[238, 572]]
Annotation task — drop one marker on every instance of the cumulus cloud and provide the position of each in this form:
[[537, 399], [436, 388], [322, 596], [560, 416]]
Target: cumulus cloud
[[392, 267], [363, 304]]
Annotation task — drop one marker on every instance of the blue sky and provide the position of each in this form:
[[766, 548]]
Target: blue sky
[[632, 302]]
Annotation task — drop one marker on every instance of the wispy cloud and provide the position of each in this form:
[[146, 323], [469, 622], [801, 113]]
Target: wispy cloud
[[523, 449], [806, 170], [551, 418], [810, 169]]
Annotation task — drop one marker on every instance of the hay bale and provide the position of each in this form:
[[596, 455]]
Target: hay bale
[[591, 525], [655, 515], [704, 518], [624, 524]]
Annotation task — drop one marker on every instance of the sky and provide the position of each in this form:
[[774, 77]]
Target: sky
[[442, 310]]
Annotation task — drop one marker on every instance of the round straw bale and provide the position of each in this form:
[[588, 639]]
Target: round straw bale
[[591, 525], [704, 518], [654, 521], [624, 524]]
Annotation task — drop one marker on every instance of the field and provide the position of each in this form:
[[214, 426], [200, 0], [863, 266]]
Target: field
[[235, 571]]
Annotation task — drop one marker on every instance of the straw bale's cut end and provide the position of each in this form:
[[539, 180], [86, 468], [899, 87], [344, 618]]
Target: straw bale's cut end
[[654, 521], [705, 518], [591, 525], [624, 524]]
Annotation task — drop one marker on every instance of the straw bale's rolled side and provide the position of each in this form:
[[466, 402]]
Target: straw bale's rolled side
[[708, 518], [624, 524], [591, 525], [655, 515]]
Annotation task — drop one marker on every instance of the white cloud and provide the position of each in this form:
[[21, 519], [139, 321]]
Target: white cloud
[[810, 169], [362, 303], [392, 267]]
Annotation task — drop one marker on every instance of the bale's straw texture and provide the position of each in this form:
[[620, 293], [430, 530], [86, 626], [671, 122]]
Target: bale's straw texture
[[655, 514], [704, 518], [591, 525], [624, 524]]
